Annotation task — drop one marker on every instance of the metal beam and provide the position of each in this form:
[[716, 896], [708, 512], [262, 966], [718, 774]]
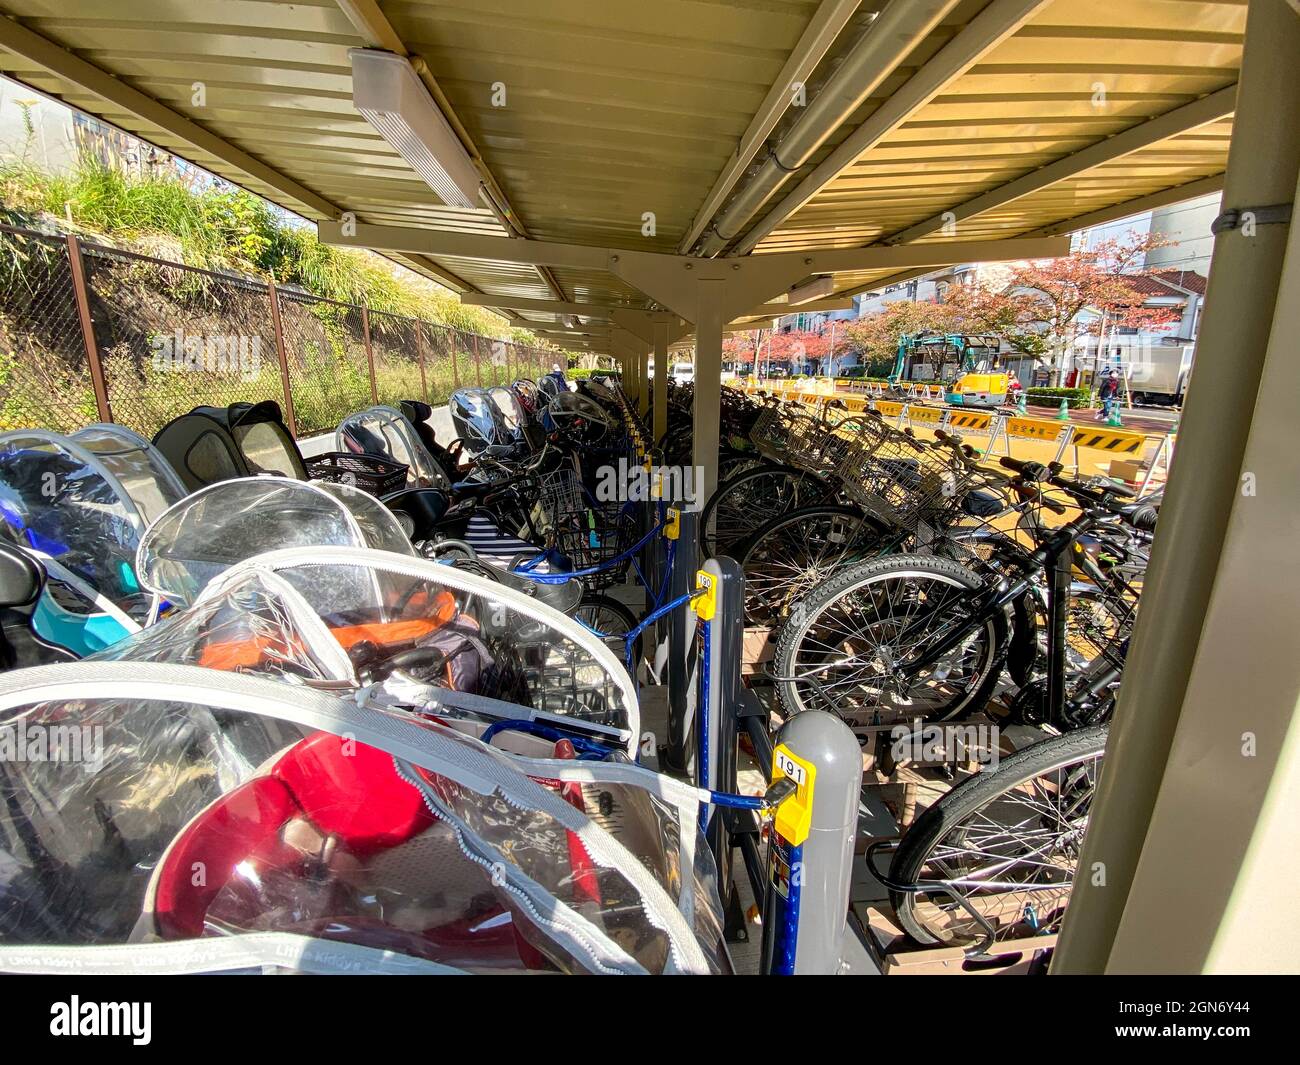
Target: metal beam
[[998, 21], [614, 260], [1207, 109], [524, 303], [465, 245], [818, 36], [897, 30], [831, 303], [602, 310]]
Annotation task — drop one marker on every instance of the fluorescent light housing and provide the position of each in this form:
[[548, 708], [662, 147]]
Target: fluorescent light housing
[[813, 290], [389, 94]]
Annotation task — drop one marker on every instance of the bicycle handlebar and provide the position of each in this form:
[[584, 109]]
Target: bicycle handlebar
[[1139, 515]]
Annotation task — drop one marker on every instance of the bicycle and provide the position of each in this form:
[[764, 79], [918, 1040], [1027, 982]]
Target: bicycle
[[795, 454], [924, 636], [993, 861], [890, 492]]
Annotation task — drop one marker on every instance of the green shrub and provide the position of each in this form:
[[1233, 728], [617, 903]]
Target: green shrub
[[1051, 397]]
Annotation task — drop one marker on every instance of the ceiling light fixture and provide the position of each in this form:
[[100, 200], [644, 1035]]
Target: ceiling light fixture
[[813, 290], [389, 94]]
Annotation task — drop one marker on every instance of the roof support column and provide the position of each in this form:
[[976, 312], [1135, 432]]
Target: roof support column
[[1214, 611], [661, 381], [709, 320], [643, 382]]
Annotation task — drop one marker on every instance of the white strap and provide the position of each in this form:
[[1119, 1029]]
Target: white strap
[[61, 573], [280, 950]]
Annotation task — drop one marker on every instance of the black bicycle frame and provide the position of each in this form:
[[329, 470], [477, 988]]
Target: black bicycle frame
[[1053, 556]]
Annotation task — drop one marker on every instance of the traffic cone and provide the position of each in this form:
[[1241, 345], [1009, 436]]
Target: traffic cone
[[1113, 419], [1063, 414], [1020, 405]]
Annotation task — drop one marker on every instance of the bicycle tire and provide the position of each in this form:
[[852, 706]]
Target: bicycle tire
[[746, 480], [794, 698], [794, 527], [595, 604], [968, 798]]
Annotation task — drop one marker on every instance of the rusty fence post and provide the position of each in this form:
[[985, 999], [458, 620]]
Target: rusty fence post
[[419, 352], [282, 357], [478, 362], [96, 367], [370, 352]]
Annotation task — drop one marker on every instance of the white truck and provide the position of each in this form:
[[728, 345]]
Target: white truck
[[1158, 373]]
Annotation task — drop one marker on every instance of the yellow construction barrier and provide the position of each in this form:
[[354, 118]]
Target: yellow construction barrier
[[1033, 428], [1114, 441], [968, 419], [929, 415], [889, 408]]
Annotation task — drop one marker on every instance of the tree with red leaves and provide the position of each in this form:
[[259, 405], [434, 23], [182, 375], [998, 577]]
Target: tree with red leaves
[[795, 349], [1048, 305]]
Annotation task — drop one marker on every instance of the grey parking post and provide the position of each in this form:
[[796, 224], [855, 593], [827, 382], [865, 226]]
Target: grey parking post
[[810, 863]]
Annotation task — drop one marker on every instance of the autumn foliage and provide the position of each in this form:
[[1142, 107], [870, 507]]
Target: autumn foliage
[[1039, 308]]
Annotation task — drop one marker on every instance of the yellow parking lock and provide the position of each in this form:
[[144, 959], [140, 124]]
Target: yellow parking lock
[[673, 523], [706, 605], [793, 819]]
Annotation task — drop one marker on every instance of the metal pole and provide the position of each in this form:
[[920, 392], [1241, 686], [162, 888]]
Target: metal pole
[[282, 357], [811, 846], [419, 350], [682, 693], [370, 354], [708, 386], [1263, 163], [478, 362], [661, 381], [643, 383], [100, 386]]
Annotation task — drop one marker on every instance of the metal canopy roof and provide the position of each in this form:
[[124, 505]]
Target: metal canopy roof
[[1017, 117]]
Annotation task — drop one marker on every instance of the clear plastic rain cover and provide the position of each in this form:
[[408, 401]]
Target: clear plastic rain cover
[[386, 432], [226, 523], [375, 619], [82, 503], [168, 818]]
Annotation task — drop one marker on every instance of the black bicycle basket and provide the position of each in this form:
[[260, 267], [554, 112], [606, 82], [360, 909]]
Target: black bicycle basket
[[371, 473]]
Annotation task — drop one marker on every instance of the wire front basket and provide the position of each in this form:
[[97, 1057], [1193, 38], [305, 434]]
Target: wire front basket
[[911, 482], [771, 430], [804, 441], [371, 473], [589, 533]]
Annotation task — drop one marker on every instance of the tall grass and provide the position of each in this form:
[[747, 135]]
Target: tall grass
[[229, 229]]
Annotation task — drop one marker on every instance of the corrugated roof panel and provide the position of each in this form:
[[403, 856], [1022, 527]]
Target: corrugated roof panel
[[623, 107]]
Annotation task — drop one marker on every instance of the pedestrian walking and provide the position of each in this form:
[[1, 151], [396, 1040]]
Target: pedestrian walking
[[1108, 394]]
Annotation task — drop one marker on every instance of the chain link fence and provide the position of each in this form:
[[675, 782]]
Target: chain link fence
[[44, 374], [89, 333]]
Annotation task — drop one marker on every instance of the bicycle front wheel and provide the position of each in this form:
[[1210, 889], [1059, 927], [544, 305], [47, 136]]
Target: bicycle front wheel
[[845, 643], [747, 499], [1007, 839], [796, 551]]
